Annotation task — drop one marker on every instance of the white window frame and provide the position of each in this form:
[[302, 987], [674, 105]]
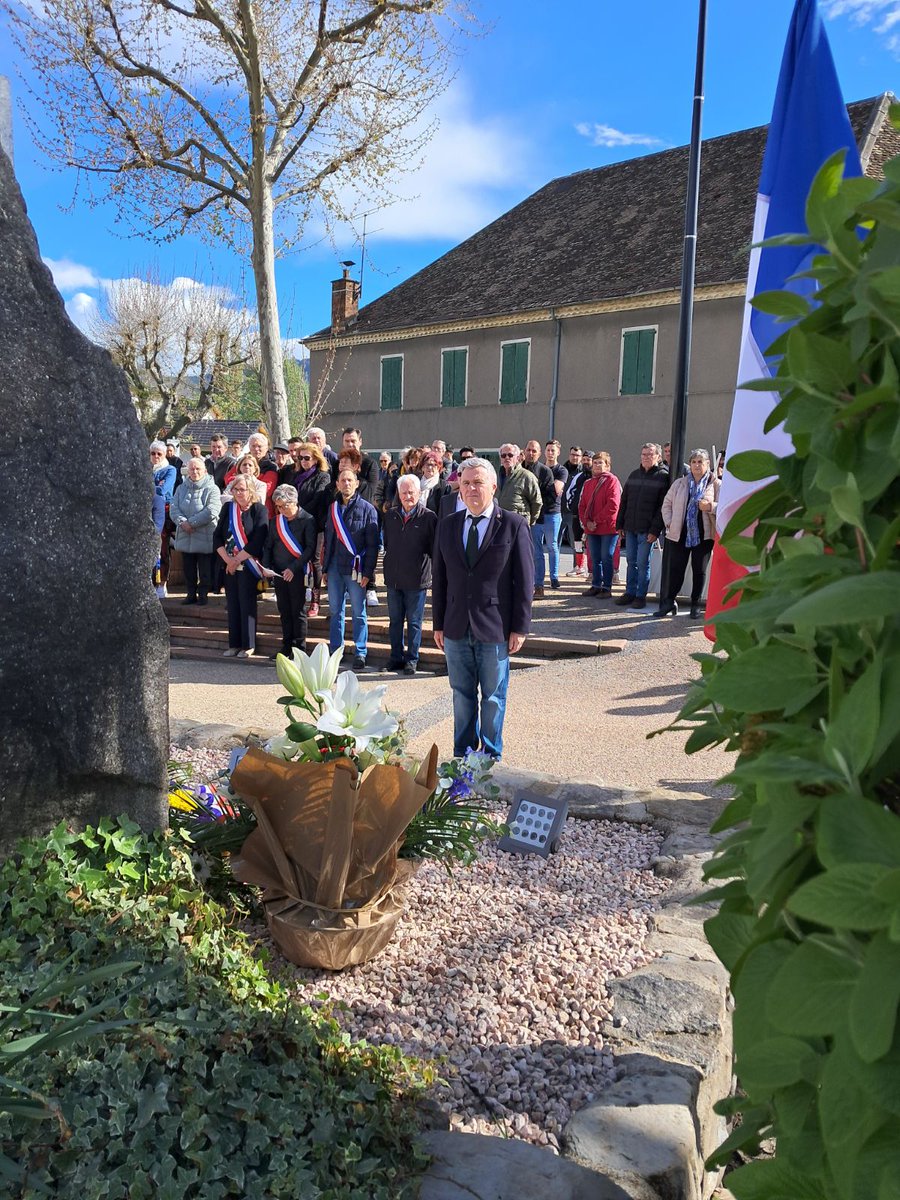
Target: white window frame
[[402, 358], [513, 342], [450, 350], [637, 329]]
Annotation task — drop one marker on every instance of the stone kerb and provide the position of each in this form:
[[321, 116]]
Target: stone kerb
[[670, 1032], [648, 1136]]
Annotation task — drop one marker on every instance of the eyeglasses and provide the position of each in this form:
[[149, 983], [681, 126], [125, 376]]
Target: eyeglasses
[[507, 455], [305, 457]]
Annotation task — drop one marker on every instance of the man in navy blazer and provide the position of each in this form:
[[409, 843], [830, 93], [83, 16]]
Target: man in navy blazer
[[482, 587]]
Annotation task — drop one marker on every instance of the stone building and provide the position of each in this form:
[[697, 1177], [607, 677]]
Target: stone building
[[562, 315]]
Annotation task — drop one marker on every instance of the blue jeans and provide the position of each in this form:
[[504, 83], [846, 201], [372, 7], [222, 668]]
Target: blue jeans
[[603, 547], [637, 551], [406, 605], [547, 532], [339, 587], [472, 666]]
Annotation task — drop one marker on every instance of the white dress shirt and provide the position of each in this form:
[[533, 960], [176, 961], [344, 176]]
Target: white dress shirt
[[481, 527]]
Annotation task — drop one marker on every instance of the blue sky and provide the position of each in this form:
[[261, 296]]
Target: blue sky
[[544, 90]]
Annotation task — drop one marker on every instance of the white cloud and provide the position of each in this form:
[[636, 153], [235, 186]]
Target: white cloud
[[462, 183], [605, 135], [295, 348], [884, 14], [82, 309], [68, 275]]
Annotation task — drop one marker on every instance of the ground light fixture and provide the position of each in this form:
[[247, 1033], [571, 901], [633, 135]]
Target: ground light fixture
[[535, 825]]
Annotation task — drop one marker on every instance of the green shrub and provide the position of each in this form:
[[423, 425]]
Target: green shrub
[[223, 1086], [808, 692]]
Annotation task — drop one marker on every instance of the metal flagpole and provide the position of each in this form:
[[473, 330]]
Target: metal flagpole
[[688, 263]]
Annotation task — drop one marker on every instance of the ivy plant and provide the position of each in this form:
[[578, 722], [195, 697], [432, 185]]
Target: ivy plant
[[203, 1078], [804, 683]]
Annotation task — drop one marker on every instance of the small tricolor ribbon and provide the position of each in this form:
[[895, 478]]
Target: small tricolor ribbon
[[240, 539], [344, 537]]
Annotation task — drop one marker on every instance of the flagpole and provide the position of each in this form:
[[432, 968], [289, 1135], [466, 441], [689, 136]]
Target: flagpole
[[688, 262]]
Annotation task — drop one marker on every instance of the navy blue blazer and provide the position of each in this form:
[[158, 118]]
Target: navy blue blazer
[[492, 597]]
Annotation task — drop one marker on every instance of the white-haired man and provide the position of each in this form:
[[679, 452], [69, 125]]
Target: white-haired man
[[316, 436], [408, 533], [483, 581]]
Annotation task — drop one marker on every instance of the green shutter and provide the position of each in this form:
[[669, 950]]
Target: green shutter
[[637, 362], [391, 382], [453, 378], [514, 372]]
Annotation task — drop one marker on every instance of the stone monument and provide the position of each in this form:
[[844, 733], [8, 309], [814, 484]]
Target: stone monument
[[84, 646]]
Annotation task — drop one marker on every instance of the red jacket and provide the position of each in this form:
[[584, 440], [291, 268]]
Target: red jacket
[[599, 504]]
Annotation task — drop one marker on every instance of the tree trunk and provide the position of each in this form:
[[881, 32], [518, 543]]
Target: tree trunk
[[271, 367]]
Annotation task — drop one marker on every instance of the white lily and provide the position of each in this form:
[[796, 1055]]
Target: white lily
[[281, 747], [318, 670], [352, 712]]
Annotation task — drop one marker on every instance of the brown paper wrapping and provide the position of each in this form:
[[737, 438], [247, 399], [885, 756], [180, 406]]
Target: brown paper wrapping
[[325, 851]]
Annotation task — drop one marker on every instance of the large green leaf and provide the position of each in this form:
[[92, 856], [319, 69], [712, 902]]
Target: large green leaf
[[873, 1005], [773, 1179], [776, 1062], [851, 830], [855, 727], [765, 679], [843, 898], [810, 993], [848, 601]]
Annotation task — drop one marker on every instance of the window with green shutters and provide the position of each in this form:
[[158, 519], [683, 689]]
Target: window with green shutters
[[454, 364], [638, 360], [392, 381], [514, 372]]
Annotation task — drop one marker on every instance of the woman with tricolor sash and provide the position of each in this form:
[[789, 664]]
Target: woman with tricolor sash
[[290, 545], [238, 541], [351, 551]]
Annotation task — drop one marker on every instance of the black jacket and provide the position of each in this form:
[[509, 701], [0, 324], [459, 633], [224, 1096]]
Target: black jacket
[[277, 557], [546, 482], [255, 522], [314, 496], [640, 509], [408, 546]]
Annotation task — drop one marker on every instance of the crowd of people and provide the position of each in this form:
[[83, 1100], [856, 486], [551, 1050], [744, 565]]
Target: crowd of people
[[301, 517]]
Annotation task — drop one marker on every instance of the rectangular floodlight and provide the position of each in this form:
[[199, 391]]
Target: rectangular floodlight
[[535, 825]]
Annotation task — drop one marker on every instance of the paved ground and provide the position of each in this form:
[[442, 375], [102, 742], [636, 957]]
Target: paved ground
[[580, 717]]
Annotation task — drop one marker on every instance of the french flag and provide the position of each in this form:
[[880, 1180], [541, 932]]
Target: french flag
[[809, 123]]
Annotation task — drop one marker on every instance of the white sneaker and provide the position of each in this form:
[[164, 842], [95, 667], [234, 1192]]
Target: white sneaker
[[573, 573], [161, 591], [372, 598]]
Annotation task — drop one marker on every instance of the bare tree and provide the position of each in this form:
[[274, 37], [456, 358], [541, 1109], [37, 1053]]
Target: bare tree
[[176, 342], [241, 118]]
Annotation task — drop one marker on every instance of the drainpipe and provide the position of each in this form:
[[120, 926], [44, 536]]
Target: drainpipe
[[554, 391]]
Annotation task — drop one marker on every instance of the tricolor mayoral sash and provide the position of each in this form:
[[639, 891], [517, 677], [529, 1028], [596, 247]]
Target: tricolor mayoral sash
[[340, 531], [240, 538], [287, 539]]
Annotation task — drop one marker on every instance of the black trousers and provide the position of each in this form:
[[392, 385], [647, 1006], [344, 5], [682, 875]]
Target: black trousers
[[197, 574], [240, 597], [676, 557], [291, 598]]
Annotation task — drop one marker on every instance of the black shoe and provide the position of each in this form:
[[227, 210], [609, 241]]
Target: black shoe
[[667, 610], [409, 668], [592, 591], [639, 602], [359, 663], [395, 664], [626, 599], [554, 583], [201, 600], [189, 600], [696, 611]]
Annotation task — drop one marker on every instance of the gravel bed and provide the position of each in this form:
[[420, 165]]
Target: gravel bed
[[499, 973]]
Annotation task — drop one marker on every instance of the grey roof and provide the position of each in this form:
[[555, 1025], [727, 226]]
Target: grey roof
[[202, 431], [605, 233]]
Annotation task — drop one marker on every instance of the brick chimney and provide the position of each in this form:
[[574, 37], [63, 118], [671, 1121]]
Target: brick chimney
[[344, 302]]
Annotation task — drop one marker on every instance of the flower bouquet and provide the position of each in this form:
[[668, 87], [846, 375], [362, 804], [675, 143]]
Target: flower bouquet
[[330, 818]]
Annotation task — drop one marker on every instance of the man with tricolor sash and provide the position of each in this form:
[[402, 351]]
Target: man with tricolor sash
[[290, 545], [351, 552]]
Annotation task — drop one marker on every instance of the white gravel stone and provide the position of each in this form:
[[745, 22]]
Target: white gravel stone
[[499, 973]]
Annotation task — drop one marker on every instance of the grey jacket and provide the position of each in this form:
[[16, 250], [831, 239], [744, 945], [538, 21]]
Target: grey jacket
[[198, 505]]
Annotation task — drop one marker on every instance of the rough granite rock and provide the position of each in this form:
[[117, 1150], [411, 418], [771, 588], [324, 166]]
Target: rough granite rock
[[85, 647]]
